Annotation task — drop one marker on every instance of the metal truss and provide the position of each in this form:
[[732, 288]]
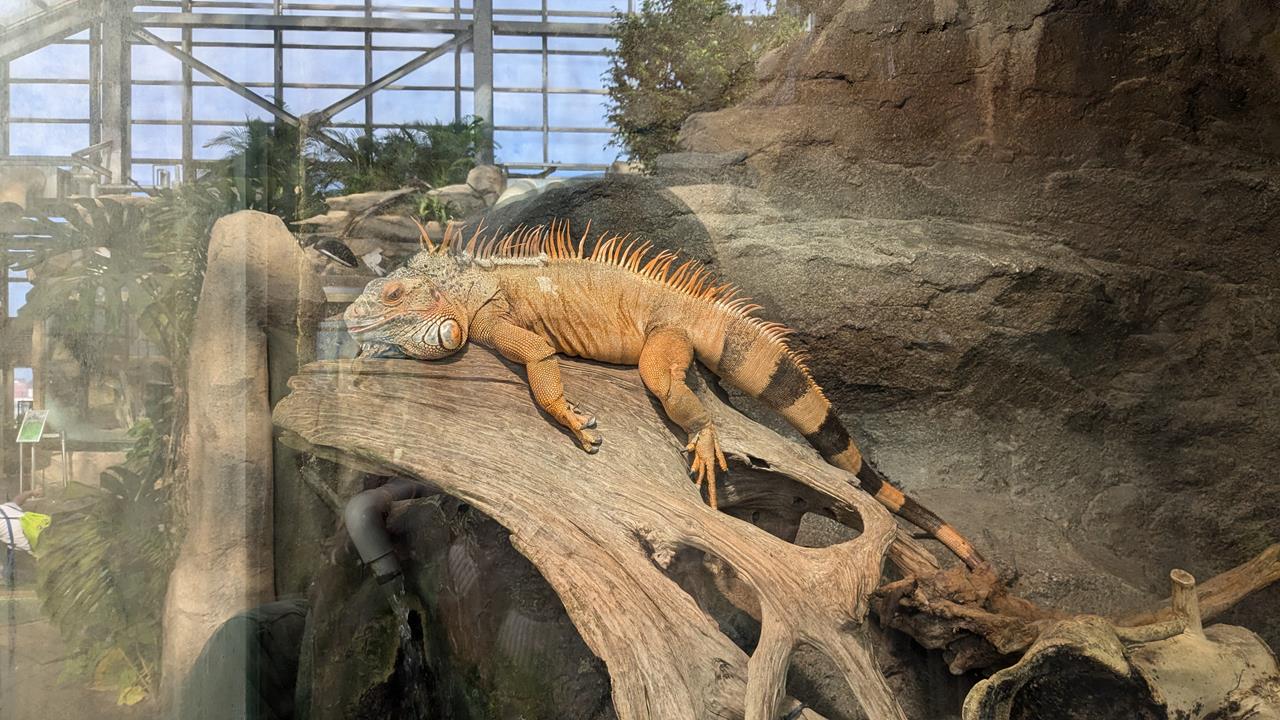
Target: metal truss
[[116, 26]]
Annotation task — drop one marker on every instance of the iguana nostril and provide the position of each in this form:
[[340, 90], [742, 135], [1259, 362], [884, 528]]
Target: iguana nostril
[[450, 335]]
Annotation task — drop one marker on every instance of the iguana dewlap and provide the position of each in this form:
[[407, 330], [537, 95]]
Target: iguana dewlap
[[534, 293]]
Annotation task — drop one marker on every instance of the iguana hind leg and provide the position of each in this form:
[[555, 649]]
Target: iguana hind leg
[[539, 359], [664, 361]]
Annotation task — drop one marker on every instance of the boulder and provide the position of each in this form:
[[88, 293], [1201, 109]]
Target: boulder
[[1141, 133], [487, 180], [614, 203], [1020, 388], [20, 183], [462, 201], [699, 168]]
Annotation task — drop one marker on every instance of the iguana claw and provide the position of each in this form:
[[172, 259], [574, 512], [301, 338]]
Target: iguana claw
[[582, 427], [705, 447]]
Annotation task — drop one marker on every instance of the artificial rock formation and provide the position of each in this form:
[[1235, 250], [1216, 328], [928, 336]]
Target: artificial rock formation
[[1030, 247], [1000, 376], [258, 292]]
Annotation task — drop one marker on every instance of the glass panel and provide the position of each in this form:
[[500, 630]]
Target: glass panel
[[48, 140], [17, 296], [49, 101], [578, 147], [578, 111], [23, 391], [52, 61]]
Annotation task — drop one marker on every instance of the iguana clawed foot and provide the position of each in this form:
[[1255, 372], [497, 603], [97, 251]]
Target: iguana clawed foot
[[583, 428], [705, 447]]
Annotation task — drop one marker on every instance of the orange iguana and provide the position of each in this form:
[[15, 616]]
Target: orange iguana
[[533, 293]]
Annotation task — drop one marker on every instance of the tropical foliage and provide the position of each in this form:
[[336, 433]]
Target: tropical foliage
[[103, 569], [107, 268], [267, 168], [428, 154], [678, 57]]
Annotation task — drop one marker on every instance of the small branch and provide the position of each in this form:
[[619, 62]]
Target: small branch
[[1221, 592]]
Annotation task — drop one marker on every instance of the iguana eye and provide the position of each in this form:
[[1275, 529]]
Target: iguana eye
[[393, 293]]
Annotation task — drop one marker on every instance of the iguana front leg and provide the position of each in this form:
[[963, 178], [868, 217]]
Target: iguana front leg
[[664, 360], [493, 329]]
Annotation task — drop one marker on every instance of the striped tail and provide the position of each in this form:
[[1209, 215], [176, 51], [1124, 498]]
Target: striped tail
[[756, 361]]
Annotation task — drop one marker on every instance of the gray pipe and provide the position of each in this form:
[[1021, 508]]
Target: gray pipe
[[366, 515]]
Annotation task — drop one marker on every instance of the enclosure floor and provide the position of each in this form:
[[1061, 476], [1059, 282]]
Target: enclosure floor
[[32, 657]]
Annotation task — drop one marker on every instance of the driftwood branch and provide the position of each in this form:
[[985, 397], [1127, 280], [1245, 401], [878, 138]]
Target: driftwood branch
[[604, 529], [979, 623]]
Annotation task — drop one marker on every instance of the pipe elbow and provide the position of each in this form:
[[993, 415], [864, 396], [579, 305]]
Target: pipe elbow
[[365, 516]]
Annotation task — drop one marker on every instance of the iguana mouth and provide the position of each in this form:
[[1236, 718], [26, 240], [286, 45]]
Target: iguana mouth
[[357, 329], [382, 320]]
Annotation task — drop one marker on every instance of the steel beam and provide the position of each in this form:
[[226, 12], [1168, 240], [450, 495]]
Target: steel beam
[[283, 115], [323, 116], [214, 75], [46, 28], [295, 22], [482, 74], [188, 106], [277, 58], [368, 70], [361, 24], [4, 124], [95, 83], [116, 101]]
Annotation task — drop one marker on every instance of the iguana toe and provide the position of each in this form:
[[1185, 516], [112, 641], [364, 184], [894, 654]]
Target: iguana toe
[[583, 420], [589, 439]]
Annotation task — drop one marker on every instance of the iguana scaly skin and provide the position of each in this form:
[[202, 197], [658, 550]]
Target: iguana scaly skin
[[534, 293]]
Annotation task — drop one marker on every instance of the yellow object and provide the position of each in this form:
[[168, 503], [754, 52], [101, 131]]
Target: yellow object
[[32, 525]]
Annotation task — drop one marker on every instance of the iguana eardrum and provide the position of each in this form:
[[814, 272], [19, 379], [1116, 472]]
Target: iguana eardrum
[[533, 293]]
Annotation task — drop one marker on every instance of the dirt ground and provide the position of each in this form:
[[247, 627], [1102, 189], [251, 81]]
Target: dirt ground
[[32, 658]]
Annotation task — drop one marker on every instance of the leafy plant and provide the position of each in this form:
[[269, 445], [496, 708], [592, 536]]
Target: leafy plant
[[678, 57], [431, 154], [104, 567], [104, 267], [432, 208], [268, 168]]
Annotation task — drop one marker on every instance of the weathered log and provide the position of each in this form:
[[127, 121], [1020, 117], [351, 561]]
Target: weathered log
[[603, 529]]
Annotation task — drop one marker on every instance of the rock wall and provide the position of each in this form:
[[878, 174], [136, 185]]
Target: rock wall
[[1032, 249], [1138, 131]]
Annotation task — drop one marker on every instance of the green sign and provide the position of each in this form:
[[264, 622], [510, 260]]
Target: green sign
[[32, 426]]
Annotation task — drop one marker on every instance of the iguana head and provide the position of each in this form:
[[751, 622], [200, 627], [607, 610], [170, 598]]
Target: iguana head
[[410, 313]]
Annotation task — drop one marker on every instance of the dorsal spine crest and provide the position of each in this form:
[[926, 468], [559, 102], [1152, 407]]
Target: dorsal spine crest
[[544, 244]]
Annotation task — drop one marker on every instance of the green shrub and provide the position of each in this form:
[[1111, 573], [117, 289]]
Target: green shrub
[[679, 57]]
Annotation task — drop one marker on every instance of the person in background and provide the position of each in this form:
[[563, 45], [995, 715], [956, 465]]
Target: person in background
[[11, 532]]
